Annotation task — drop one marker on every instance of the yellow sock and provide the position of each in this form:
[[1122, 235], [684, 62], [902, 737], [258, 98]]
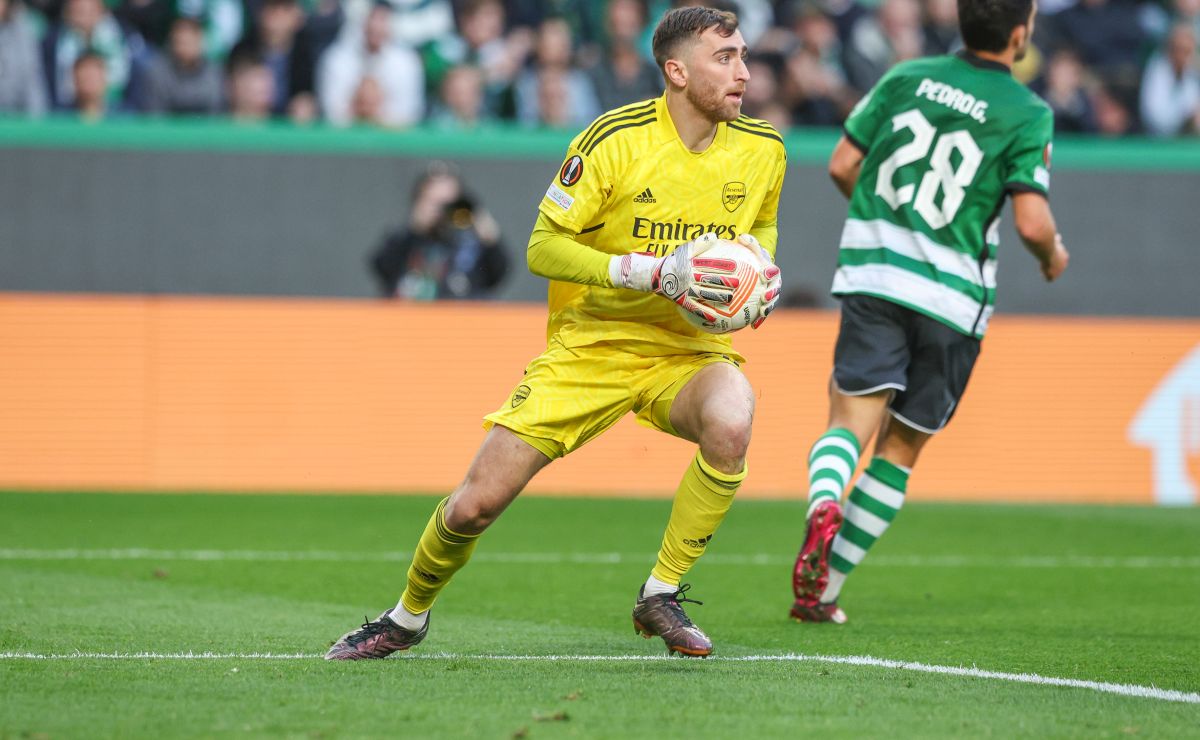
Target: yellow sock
[[703, 497], [440, 553]]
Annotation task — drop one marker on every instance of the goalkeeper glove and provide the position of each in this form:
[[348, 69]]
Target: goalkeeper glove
[[772, 275], [683, 275]]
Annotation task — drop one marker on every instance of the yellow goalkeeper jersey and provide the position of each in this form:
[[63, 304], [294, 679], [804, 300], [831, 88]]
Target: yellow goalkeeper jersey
[[628, 184]]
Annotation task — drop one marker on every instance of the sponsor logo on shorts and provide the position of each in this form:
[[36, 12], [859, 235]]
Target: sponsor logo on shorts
[[519, 395], [699, 544], [732, 195], [571, 171]]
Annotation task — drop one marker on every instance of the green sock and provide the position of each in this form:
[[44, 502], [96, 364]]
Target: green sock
[[874, 503]]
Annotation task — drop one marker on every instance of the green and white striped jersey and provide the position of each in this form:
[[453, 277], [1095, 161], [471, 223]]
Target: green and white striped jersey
[[945, 140]]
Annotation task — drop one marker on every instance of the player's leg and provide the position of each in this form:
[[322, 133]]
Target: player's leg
[[710, 403], [941, 365], [502, 467], [874, 502], [870, 365]]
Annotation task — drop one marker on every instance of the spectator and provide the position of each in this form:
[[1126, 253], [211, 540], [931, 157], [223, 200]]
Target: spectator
[[623, 74], [183, 80], [223, 22], [276, 41], [1063, 88], [460, 104], [22, 84], [878, 42], [1109, 38], [251, 89], [941, 27], [450, 247], [367, 104], [1170, 103], [555, 56], [150, 19], [482, 44], [396, 73], [818, 97], [415, 23], [765, 70], [1112, 115], [89, 80], [87, 25], [324, 24]]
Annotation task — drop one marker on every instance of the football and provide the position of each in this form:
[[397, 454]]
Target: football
[[728, 259]]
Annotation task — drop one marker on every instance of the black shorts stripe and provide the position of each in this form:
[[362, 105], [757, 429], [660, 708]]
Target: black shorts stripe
[[614, 130], [756, 132], [614, 117]]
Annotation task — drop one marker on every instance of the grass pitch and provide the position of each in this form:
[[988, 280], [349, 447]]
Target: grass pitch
[[123, 587]]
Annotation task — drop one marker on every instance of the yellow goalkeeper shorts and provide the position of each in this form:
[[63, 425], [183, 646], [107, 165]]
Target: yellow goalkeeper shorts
[[571, 395]]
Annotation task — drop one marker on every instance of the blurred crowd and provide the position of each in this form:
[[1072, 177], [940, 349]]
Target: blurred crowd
[[1111, 67]]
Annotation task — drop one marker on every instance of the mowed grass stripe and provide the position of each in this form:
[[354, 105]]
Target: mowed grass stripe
[[593, 558], [1131, 690]]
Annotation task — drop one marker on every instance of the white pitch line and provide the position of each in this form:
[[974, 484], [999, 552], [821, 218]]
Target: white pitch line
[[1120, 689], [592, 558]]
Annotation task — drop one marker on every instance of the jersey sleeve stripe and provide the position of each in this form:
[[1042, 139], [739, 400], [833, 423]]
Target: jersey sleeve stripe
[[853, 140], [592, 147], [590, 229], [617, 115], [756, 132], [1020, 187]]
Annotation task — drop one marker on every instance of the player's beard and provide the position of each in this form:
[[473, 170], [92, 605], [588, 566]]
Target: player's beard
[[709, 98]]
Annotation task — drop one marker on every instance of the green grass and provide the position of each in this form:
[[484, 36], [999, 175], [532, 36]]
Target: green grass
[[1046, 590]]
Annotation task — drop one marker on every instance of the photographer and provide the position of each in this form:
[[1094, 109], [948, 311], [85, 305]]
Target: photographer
[[450, 248]]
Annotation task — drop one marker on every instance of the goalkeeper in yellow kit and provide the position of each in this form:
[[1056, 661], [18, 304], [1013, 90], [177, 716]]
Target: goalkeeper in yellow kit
[[642, 191]]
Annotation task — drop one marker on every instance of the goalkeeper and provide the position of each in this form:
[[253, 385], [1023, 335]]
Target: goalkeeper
[[642, 192]]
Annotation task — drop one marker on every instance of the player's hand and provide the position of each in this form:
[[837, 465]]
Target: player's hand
[[771, 273], [1054, 266], [682, 275]]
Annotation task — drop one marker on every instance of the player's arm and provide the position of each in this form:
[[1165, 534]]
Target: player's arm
[[1036, 227], [554, 253], [1028, 179], [844, 165]]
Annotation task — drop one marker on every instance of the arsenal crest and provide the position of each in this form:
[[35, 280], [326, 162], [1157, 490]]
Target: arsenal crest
[[732, 195]]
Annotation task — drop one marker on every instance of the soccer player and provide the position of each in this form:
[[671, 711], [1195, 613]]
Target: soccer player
[[927, 160], [641, 193]]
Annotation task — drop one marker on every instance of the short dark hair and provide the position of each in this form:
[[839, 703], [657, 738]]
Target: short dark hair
[[986, 25], [682, 24]]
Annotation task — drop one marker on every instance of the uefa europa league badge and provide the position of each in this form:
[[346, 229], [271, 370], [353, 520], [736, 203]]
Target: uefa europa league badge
[[732, 195]]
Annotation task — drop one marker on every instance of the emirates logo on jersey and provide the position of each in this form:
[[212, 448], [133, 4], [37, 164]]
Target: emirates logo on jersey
[[571, 171]]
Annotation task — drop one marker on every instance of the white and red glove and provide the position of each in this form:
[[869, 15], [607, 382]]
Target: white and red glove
[[771, 274], [684, 275]]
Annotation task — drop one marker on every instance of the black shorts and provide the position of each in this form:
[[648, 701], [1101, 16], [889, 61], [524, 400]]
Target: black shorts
[[884, 345]]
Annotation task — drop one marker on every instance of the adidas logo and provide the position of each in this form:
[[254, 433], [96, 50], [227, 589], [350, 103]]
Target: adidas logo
[[645, 197], [698, 544]]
